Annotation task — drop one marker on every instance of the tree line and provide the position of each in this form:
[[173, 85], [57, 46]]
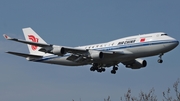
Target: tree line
[[150, 96]]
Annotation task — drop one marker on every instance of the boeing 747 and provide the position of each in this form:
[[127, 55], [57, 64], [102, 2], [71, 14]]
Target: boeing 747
[[127, 51]]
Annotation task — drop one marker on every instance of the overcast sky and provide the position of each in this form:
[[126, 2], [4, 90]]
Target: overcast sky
[[81, 22]]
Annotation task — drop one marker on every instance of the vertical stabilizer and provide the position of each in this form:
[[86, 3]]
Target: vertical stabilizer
[[31, 35]]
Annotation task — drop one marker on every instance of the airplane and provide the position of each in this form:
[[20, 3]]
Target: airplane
[[127, 51]]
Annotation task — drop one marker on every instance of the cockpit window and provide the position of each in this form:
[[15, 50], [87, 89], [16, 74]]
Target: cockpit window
[[164, 34]]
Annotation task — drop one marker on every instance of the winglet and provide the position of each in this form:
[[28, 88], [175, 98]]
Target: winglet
[[6, 37]]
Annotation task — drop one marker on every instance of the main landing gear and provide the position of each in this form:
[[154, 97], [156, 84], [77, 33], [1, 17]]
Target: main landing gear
[[114, 69], [97, 68], [100, 68], [160, 58]]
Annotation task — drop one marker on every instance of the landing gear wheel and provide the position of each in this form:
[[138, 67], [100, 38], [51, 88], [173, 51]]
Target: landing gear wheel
[[115, 68], [92, 69], [99, 70], [103, 69], [160, 61], [113, 72]]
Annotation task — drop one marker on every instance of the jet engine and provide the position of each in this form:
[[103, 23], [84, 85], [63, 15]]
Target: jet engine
[[95, 55], [138, 63], [57, 50]]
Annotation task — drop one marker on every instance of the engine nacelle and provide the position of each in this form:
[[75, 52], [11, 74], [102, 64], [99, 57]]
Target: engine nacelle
[[57, 50], [138, 63], [96, 55]]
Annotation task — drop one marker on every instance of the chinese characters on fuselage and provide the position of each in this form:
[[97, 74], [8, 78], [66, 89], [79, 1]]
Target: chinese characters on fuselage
[[126, 42]]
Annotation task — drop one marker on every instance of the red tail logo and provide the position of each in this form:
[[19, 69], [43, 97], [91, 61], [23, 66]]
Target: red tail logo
[[34, 39]]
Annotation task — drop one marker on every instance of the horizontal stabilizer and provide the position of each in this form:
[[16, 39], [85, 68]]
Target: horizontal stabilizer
[[27, 56]]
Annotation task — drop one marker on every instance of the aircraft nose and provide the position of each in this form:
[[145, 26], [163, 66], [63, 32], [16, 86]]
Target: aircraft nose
[[173, 44], [176, 43]]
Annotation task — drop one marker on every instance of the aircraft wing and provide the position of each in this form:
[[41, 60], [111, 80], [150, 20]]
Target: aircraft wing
[[78, 54], [46, 46]]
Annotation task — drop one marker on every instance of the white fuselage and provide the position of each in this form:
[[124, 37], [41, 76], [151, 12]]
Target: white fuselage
[[134, 47]]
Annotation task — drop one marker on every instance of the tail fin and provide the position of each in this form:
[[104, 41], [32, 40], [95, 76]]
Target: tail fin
[[31, 35]]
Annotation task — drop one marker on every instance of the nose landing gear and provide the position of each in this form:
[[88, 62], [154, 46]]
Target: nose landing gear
[[160, 60]]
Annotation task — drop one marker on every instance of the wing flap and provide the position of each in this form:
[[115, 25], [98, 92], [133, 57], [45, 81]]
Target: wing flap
[[77, 58], [72, 57]]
